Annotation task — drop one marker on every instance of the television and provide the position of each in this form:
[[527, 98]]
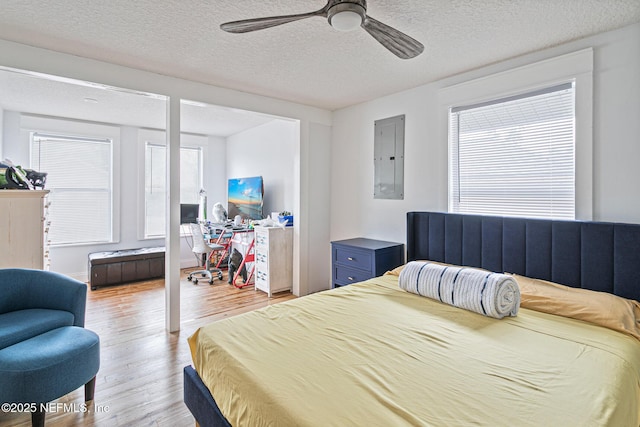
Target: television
[[245, 197], [189, 213]]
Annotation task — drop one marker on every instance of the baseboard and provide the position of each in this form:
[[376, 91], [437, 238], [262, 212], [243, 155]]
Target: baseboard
[[83, 277], [188, 263]]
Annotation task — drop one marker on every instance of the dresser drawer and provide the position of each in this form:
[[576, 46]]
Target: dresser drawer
[[261, 279], [353, 258], [262, 238], [346, 276], [262, 255]]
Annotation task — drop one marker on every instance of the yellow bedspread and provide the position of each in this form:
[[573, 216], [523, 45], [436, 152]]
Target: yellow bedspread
[[370, 354]]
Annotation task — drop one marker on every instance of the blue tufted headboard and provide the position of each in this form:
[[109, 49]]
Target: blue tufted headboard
[[593, 255]]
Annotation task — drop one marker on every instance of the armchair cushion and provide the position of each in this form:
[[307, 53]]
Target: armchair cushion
[[20, 325], [49, 365]]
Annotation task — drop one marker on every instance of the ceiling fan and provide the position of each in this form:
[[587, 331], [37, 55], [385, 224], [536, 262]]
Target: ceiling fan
[[343, 15]]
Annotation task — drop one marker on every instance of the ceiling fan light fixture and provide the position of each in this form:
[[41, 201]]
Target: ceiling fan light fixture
[[346, 16], [346, 21], [343, 15]]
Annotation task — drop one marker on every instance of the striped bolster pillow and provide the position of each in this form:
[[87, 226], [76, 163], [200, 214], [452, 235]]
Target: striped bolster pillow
[[490, 294]]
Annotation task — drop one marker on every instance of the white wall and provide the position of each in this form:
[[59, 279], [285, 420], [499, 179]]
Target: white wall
[[616, 129], [10, 135], [318, 190], [268, 151], [1, 132], [215, 172]]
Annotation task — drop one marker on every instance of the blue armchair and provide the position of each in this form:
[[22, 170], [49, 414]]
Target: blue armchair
[[45, 351]]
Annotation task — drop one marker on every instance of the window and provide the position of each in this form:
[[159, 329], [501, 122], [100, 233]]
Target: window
[[155, 184], [515, 156], [79, 177]]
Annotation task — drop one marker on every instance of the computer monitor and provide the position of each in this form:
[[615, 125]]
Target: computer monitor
[[246, 197], [188, 213]]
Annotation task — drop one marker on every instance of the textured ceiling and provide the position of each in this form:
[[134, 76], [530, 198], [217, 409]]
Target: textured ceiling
[[306, 61]]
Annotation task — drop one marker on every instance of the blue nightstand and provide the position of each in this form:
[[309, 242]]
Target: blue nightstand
[[355, 260]]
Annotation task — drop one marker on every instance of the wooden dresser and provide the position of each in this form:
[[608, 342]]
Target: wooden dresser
[[274, 259], [24, 229]]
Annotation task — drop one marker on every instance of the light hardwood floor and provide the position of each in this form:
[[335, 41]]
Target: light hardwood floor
[[140, 377]]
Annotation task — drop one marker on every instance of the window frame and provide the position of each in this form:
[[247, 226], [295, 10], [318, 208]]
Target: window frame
[[514, 115], [108, 144], [158, 138], [30, 123], [576, 66]]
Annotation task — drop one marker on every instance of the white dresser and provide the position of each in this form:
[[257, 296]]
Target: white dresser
[[24, 229], [274, 259]]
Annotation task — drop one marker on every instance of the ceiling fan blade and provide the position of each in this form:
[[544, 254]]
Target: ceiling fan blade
[[255, 24], [397, 42]]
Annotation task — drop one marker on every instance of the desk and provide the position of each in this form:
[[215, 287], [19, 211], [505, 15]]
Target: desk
[[221, 235], [233, 237]]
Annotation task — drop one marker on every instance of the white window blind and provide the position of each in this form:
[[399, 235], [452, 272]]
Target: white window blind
[[155, 184], [515, 156], [79, 177]]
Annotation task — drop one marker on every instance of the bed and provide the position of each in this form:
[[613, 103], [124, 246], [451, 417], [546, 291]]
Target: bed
[[373, 354]]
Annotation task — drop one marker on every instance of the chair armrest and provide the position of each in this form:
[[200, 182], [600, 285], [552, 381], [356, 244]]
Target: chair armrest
[[22, 289]]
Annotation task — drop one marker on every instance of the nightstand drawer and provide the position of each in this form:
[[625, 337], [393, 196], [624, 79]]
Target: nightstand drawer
[[353, 258], [346, 276]]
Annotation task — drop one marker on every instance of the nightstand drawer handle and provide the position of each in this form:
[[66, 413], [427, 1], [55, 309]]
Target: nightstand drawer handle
[[350, 259]]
